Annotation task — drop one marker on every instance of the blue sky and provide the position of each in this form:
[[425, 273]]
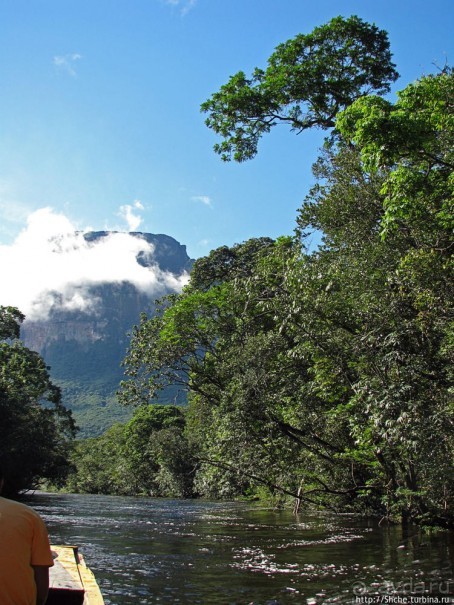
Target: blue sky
[[100, 118]]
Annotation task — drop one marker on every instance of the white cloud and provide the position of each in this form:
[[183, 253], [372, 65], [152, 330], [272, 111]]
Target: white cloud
[[132, 220], [51, 265], [204, 199], [184, 5], [67, 63]]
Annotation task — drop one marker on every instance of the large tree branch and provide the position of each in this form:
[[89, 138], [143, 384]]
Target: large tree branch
[[294, 435], [303, 433], [267, 482]]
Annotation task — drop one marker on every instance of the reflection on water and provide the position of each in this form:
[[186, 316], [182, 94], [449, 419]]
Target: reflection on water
[[147, 551]]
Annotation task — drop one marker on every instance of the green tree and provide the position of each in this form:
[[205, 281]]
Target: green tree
[[413, 138], [411, 142], [157, 452], [308, 80], [149, 455], [35, 429], [325, 375], [249, 423], [99, 465], [395, 363], [172, 346]]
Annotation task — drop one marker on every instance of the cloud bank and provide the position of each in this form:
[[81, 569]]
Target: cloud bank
[[51, 266]]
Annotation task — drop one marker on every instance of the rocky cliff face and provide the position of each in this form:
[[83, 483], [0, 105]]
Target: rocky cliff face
[[85, 347]]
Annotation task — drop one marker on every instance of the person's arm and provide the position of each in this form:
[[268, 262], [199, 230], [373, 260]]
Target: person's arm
[[42, 583]]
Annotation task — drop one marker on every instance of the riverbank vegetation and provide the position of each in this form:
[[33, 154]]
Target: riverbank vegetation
[[322, 377], [36, 430], [149, 455], [325, 375]]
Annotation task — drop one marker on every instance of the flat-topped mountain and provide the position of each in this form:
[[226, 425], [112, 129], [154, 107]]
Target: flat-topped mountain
[[83, 331]]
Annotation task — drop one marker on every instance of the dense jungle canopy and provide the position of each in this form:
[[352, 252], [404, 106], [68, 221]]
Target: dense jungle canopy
[[326, 375]]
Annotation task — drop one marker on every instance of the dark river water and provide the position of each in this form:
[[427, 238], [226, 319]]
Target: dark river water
[[146, 551]]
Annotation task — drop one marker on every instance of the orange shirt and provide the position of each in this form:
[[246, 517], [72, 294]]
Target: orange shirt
[[23, 543]]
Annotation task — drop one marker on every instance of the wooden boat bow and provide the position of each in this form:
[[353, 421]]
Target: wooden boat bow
[[71, 582]]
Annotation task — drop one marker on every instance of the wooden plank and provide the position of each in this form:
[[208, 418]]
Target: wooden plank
[[65, 573], [71, 582], [93, 594], [60, 577]]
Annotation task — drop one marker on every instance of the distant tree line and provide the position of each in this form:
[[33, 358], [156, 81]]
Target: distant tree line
[[149, 455]]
